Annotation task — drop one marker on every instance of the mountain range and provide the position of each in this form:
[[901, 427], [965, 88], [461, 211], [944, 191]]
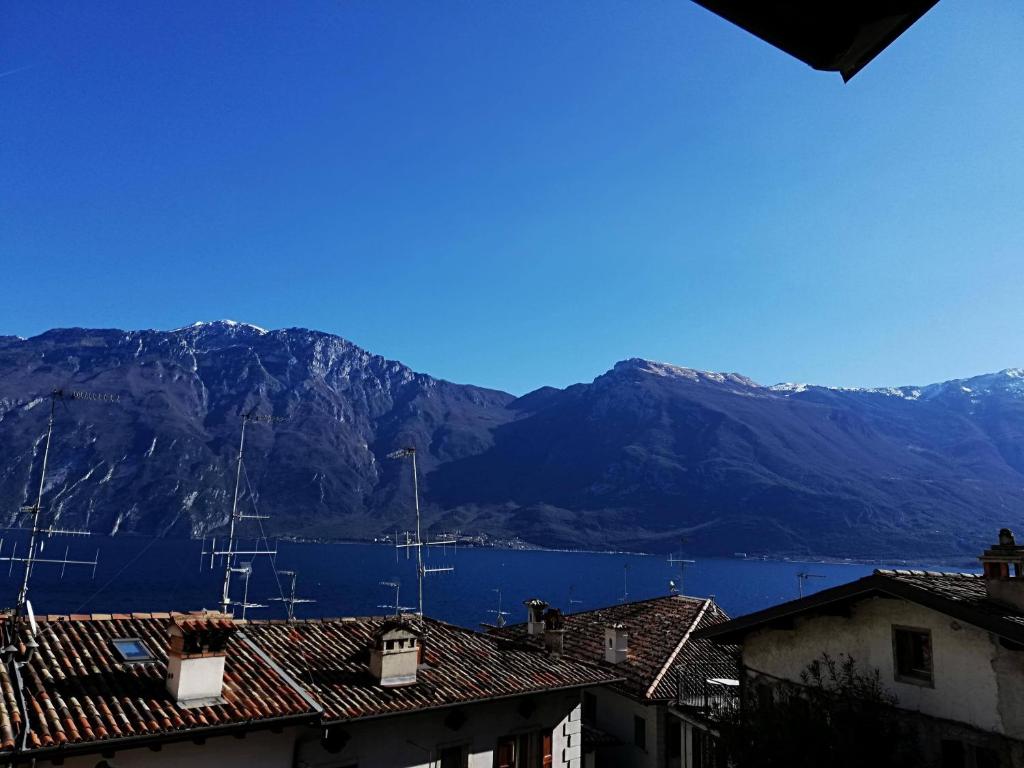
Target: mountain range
[[644, 455]]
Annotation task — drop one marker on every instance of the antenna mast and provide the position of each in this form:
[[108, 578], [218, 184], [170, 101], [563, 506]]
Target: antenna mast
[[682, 563], [398, 607], [802, 577], [417, 543], [291, 601], [231, 553], [35, 546], [500, 614]]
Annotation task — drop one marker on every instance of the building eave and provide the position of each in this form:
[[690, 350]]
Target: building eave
[[842, 36], [734, 631]]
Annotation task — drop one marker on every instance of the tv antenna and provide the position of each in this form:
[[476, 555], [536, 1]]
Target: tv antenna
[[291, 601], [625, 584], [499, 620], [804, 576], [682, 562], [572, 600], [231, 554], [396, 606], [416, 541], [36, 542]]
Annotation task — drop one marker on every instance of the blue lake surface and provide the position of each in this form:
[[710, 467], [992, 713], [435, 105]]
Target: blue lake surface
[[137, 574]]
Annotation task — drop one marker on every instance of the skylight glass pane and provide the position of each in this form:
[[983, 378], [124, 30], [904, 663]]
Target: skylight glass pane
[[132, 649]]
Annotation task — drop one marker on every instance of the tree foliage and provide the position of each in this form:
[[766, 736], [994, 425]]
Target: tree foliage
[[838, 716]]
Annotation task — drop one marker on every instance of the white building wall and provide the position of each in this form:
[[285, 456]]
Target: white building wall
[[261, 749], [415, 741], [975, 681], [615, 714]]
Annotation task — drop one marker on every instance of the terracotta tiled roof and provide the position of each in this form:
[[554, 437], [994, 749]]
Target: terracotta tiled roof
[[330, 657], [79, 691], [960, 595], [660, 641]]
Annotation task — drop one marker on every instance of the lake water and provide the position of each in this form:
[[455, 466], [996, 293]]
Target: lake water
[[136, 574]]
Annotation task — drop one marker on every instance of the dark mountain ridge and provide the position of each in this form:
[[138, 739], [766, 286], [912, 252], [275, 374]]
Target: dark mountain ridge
[[644, 454]]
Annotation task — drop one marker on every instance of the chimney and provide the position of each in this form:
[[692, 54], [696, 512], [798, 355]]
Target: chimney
[[1003, 565], [196, 656], [616, 643], [395, 653], [554, 632], [535, 616]]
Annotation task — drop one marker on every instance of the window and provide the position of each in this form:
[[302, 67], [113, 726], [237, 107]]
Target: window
[[589, 708], [505, 754], [452, 757], [639, 732], [131, 649], [912, 652]]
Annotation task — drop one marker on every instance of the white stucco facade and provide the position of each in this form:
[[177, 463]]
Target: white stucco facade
[[615, 715], [417, 740], [976, 680]]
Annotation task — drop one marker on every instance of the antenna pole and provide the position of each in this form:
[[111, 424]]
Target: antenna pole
[[225, 600], [419, 537], [23, 592]]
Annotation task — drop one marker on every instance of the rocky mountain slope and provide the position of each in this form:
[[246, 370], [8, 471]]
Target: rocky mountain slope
[[644, 454]]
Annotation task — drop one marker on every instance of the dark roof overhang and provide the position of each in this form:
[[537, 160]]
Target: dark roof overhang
[[840, 36], [838, 600]]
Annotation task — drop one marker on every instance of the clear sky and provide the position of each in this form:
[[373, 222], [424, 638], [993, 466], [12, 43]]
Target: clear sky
[[519, 193]]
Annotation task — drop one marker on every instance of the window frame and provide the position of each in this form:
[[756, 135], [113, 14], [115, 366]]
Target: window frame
[[912, 678], [148, 659]]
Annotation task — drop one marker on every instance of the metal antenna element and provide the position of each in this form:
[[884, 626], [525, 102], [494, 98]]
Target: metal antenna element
[[291, 601], [417, 542], [804, 576], [36, 530], [500, 615], [625, 584], [245, 570], [230, 554], [682, 562], [398, 608], [573, 600]]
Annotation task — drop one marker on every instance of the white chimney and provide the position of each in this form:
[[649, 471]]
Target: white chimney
[[1003, 564], [535, 616], [395, 654], [616, 643], [196, 656]]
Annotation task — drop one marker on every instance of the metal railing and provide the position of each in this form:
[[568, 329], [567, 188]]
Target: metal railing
[[709, 691]]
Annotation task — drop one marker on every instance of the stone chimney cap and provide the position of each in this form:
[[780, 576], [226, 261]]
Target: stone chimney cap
[[1007, 550], [395, 626], [203, 621], [618, 626], [535, 602]]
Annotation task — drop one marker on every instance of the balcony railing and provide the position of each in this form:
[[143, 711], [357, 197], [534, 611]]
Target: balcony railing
[[711, 692]]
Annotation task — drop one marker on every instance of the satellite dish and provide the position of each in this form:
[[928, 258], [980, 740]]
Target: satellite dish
[[31, 618]]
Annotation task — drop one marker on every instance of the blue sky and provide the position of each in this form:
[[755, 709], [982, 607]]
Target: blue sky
[[518, 194]]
